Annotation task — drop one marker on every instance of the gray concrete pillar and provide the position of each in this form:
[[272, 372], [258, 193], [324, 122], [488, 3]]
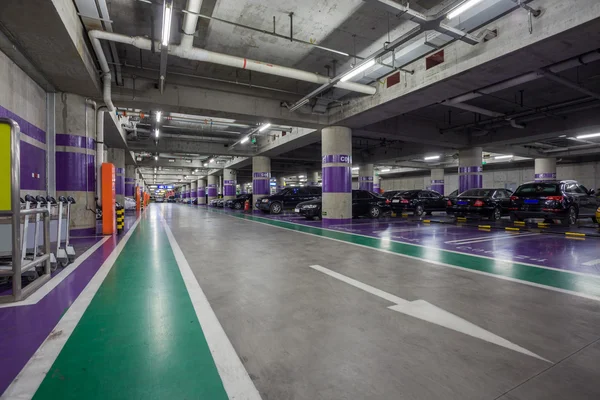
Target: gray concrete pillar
[[437, 180], [261, 176], [365, 177], [545, 169], [76, 160], [376, 182], [193, 192], [336, 144], [312, 178], [280, 183], [211, 188], [470, 169], [201, 185], [229, 183], [117, 157]]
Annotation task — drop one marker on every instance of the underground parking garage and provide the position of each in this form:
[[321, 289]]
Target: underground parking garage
[[363, 199]]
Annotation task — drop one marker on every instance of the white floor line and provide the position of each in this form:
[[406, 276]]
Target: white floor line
[[31, 376], [493, 239], [430, 262], [592, 263], [236, 380], [504, 260], [55, 281]]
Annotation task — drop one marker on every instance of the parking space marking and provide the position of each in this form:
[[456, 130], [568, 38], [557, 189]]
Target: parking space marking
[[426, 311], [592, 263], [492, 239]]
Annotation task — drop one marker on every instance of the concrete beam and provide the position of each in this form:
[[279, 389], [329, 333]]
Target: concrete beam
[[513, 52], [216, 103], [185, 146]]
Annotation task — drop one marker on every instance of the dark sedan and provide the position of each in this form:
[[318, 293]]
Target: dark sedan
[[563, 200], [364, 203], [490, 203], [238, 202], [419, 202], [287, 198]]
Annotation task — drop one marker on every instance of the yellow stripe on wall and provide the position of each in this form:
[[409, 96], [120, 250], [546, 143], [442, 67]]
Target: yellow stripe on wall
[[5, 173]]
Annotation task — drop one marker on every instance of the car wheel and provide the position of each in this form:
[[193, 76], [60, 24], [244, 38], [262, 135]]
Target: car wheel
[[374, 212], [419, 211], [496, 214], [237, 206], [571, 218], [275, 208]]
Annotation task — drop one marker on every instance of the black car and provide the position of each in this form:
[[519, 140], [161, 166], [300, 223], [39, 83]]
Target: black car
[[391, 193], [287, 198], [490, 203], [171, 199], [364, 203], [563, 200], [238, 202], [419, 202]]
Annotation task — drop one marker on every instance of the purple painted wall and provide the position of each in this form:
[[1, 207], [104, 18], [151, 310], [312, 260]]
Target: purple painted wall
[[261, 183], [470, 178], [228, 187]]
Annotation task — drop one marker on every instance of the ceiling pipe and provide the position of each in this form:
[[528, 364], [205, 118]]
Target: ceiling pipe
[[190, 21], [569, 84], [198, 54]]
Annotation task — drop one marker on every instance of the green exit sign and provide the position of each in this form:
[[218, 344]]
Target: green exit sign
[[253, 140]]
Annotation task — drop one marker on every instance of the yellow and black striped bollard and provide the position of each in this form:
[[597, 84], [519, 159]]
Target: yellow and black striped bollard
[[120, 219]]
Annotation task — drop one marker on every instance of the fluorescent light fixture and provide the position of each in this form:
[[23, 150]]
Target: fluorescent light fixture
[[386, 170], [166, 27], [156, 132], [301, 176], [212, 160], [244, 140], [464, 6], [355, 169], [591, 135], [155, 158], [431, 158], [503, 157], [206, 164], [562, 136], [158, 114], [264, 127], [363, 67]]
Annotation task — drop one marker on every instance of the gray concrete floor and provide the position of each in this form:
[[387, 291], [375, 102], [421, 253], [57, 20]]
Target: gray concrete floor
[[305, 335]]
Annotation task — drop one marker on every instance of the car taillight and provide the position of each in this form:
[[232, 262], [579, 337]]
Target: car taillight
[[478, 203], [404, 201], [514, 198], [449, 203], [387, 201], [555, 198]]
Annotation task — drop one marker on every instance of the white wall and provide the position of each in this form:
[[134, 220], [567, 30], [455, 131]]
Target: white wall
[[588, 174]]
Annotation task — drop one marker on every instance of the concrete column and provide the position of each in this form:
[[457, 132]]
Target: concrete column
[[312, 179], [130, 181], [220, 186], [261, 175], [211, 189], [76, 160], [280, 183], [545, 169], [336, 143], [117, 157], [437, 180], [365, 177], [193, 191], [229, 182], [201, 184], [376, 182], [470, 170]]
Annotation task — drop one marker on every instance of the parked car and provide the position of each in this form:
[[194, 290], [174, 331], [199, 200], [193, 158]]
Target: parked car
[[490, 203], [160, 199], [238, 202], [564, 200], [597, 217], [391, 193], [171, 199], [288, 198], [220, 203], [364, 203], [419, 202], [213, 202]]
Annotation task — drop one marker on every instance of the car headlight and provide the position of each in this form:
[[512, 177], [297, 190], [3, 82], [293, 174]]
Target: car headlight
[[310, 206], [265, 200]]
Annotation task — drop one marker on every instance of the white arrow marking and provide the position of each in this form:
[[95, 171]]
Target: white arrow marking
[[426, 311]]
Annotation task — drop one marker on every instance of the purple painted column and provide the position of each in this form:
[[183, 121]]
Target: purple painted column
[[336, 150], [545, 169], [228, 188], [261, 178], [365, 183], [120, 181], [437, 185], [470, 178], [376, 185], [211, 188], [76, 176]]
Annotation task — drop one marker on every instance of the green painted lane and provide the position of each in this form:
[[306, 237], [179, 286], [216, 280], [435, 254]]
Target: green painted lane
[[140, 337], [586, 285]]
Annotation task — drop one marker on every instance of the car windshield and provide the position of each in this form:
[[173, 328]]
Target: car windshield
[[282, 192], [538, 189], [408, 193], [477, 193]]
